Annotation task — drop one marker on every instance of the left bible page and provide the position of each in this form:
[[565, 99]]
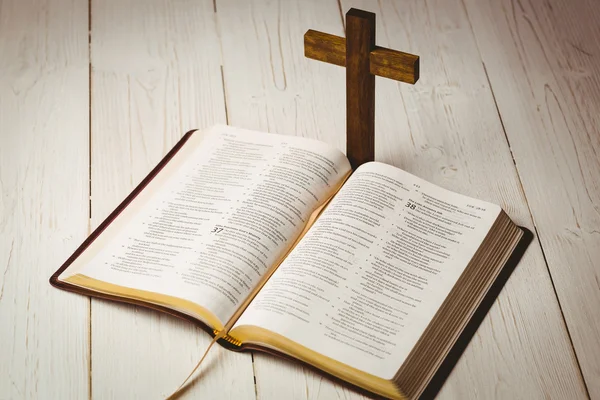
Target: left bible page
[[224, 211]]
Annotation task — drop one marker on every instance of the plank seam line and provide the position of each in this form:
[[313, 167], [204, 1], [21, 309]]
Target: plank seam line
[[224, 95], [90, 108], [562, 314], [90, 187], [254, 375], [342, 15]]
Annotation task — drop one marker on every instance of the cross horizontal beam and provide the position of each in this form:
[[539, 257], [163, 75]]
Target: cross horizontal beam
[[384, 62]]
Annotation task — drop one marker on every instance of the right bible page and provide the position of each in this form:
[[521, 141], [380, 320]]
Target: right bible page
[[368, 277]]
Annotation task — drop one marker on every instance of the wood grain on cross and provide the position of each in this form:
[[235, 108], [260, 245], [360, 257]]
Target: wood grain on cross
[[363, 60]]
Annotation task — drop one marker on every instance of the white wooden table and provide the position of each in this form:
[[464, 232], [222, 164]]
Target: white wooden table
[[94, 93]]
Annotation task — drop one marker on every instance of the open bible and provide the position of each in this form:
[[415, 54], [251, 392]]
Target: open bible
[[273, 242]]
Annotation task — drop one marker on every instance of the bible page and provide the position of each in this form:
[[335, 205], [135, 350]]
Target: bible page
[[225, 208], [367, 278]]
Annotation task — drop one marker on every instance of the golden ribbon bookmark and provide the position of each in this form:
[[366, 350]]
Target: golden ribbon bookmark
[[177, 391]]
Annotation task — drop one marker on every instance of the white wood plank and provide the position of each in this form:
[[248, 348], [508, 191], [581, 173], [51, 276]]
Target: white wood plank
[[270, 86], [43, 196], [542, 58], [446, 129], [156, 74]]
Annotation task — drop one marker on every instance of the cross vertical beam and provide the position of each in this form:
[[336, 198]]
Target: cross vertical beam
[[360, 87], [363, 60]]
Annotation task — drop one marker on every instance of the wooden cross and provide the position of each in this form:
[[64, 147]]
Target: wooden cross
[[363, 60]]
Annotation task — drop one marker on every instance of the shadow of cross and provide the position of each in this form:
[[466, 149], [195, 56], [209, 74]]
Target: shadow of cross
[[363, 60]]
